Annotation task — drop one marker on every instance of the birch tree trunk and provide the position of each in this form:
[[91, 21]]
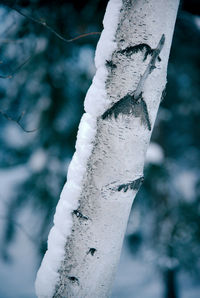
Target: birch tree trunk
[[121, 106]]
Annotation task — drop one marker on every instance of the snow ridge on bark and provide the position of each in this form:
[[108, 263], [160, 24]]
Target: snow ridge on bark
[[95, 104]]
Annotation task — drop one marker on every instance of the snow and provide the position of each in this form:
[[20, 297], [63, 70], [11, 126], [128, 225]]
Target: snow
[[106, 43], [47, 274], [96, 103]]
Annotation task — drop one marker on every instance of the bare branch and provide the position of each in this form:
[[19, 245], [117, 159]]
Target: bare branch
[[44, 24], [20, 226], [17, 121], [19, 67]]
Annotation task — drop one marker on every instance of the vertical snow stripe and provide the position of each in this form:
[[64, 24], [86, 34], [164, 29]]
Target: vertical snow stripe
[[95, 104]]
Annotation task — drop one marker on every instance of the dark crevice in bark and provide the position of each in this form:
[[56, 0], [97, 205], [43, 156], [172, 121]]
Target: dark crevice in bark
[[129, 105], [134, 103], [91, 251], [134, 185], [109, 63], [80, 215], [138, 48], [73, 279]]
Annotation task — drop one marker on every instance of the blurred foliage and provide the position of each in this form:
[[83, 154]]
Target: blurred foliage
[[45, 94]]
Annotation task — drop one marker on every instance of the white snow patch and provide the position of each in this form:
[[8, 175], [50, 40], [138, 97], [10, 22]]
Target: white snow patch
[[48, 273], [107, 44], [95, 104], [155, 154]]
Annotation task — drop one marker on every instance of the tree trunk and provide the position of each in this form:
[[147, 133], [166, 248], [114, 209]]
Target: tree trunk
[[107, 169], [171, 290]]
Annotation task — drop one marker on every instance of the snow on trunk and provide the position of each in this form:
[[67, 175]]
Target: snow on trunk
[[107, 168]]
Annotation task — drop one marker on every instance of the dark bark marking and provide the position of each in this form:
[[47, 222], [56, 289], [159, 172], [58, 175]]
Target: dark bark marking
[[145, 114], [156, 53], [91, 251], [80, 215], [138, 48], [129, 105], [134, 185], [73, 279], [133, 102], [110, 64]]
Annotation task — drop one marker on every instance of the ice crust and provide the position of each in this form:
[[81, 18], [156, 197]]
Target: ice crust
[[96, 102]]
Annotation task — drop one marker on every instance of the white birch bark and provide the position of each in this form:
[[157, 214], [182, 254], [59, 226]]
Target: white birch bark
[[135, 80]]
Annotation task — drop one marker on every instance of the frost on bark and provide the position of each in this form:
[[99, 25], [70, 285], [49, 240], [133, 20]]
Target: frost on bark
[[134, 82]]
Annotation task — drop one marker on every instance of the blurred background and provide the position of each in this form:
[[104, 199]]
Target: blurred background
[[43, 82]]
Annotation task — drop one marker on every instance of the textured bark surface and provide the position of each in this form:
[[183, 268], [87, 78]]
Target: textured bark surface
[[136, 79]]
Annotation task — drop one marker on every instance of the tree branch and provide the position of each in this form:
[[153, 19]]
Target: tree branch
[[17, 121], [20, 226], [44, 24], [19, 67]]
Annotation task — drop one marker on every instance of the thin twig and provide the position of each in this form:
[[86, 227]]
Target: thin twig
[[17, 121], [44, 24], [9, 76], [20, 226]]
